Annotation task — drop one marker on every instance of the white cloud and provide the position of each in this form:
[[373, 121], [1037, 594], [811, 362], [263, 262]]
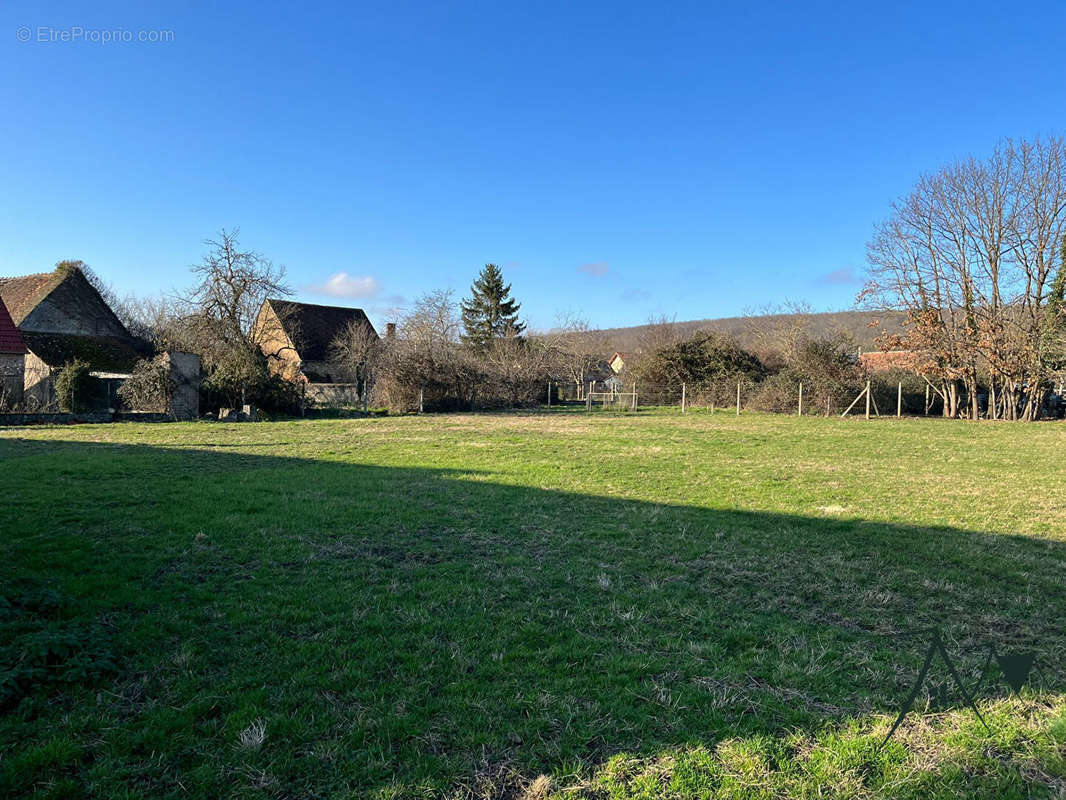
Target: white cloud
[[341, 284]]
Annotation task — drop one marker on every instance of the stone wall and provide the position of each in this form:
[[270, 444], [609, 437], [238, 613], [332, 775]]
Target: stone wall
[[53, 419], [333, 395], [185, 376], [39, 392]]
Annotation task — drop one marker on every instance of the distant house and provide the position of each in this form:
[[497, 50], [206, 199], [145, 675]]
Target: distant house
[[12, 361], [62, 317], [887, 360], [297, 338], [617, 362]]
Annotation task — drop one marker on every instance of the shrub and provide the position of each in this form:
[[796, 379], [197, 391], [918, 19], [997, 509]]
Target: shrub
[[76, 389], [149, 387], [705, 360], [830, 375], [251, 382]]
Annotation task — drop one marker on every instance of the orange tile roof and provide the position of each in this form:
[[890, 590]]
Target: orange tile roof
[[21, 295]]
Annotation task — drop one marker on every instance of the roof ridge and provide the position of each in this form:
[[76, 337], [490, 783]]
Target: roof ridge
[[23, 277], [313, 305], [26, 292]]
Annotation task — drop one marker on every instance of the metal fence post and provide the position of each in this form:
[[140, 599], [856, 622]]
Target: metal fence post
[[682, 398], [738, 399], [799, 411]]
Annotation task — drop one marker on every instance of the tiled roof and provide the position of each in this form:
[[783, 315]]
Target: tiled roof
[[10, 339], [102, 353], [21, 295], [885, 360], [313, 328]]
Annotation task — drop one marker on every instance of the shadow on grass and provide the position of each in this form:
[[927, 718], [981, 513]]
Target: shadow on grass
[[402, 627]]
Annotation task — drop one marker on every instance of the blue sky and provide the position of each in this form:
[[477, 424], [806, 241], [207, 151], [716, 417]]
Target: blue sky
[[618, 160]]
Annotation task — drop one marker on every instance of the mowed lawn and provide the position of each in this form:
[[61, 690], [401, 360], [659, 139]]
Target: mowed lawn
[[531, 604]]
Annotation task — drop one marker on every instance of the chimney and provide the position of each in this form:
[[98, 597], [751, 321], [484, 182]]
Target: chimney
[[390, 331]]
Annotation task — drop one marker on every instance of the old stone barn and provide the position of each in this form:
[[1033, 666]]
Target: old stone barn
[[62, 317], [297, 339]]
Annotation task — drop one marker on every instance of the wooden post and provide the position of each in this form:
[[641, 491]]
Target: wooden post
[[867, 399], [588, 398], [927, 398], [738, 399], [682, 398], [799, 411], [992, 399], [421, 397], [549, 394], [854, 403], [899, 400]]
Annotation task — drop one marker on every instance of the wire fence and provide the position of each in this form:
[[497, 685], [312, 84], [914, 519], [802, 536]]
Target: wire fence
[[874, 399]]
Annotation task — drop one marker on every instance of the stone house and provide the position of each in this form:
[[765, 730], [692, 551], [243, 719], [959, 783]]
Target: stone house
[[297, 338], [61, 317], [12, 361]]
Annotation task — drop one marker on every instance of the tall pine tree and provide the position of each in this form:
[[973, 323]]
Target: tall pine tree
[[489, 313]]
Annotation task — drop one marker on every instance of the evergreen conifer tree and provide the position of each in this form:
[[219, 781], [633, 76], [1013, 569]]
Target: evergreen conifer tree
[[489, 313]]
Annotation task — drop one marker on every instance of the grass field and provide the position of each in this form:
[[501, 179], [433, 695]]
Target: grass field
[[642, 605]]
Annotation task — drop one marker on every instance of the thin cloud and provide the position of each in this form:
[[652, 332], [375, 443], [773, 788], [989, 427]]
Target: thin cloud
[[341, 284], [636, 295], [597, 269], [389, 308], [845, 276]]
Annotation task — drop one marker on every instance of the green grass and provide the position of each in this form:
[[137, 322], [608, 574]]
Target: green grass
[[613, 606]]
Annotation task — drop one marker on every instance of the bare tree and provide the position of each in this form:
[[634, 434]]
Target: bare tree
[[426, 359], [575, 349], [972, 255], [434, 320], [516, 369], [217, 315], [355, 351], [779, 332], [660, 331]]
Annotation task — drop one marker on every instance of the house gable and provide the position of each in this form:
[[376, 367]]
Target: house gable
[[297, 337], [270, 335], [73, 306]]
